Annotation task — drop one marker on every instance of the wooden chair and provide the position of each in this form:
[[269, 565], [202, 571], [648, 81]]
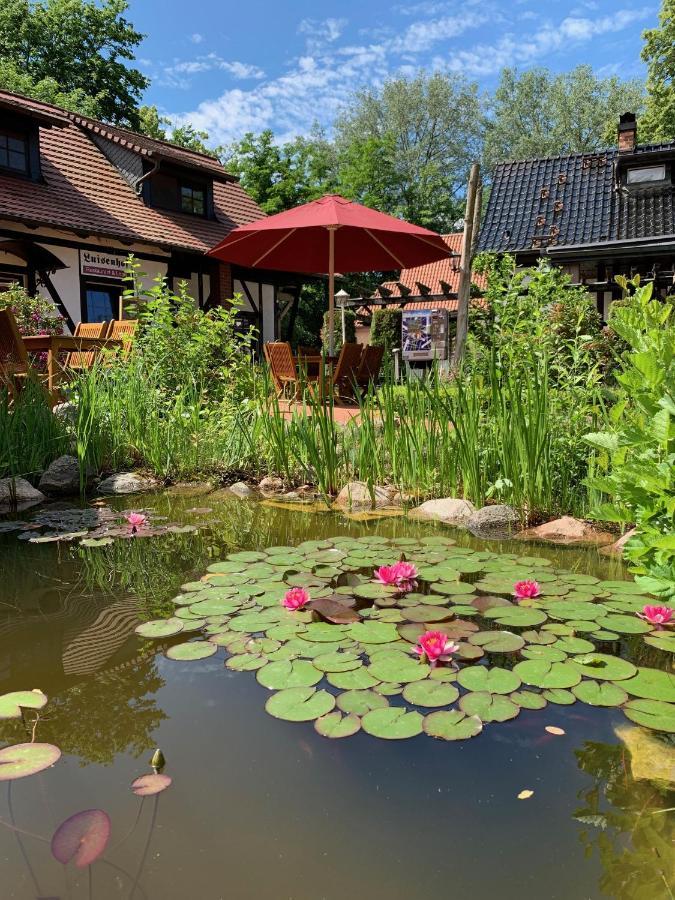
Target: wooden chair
[[123, 330], [283, 368], [345, 373], [369, 369], [14, 363], [84, 359]]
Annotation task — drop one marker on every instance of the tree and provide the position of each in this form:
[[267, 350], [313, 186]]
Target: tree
[[83, 47], [658, 122], [535, 113], [423, 134]]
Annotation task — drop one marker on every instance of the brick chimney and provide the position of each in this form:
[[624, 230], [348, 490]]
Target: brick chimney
[[627, 133]]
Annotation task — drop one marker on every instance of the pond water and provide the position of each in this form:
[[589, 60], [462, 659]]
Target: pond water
[[266, 809]]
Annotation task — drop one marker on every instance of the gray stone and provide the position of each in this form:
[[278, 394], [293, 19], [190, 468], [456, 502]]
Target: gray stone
[[18, 494], [126, 483], [61, 477], [451, 510], [494, 520], [240, 489], [271, 485], [357, 495], [568, 530], [66, 412]]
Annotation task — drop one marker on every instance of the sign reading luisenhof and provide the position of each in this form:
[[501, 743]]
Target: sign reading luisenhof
[[102, 265]]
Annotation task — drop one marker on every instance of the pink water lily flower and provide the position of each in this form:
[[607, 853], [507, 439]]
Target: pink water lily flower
[[295, 598], [388, 575], [434, 646], [136, 521], [656, 615], [405, 571], [526, 590]]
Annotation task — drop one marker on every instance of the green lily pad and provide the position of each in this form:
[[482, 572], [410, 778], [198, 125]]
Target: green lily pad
[[361, 702], [560, 696], [21, 760], [494, 681], [515, 616], [356, 679], [392, 723], [192, 650], [574, 645], [662, 641], [322, 632], [620, 587], [300, 704], [373, 632], [336, 725], [625, 624], [651, 684], [538, 637], [599, 693], [528, 699], [426, 613], [452, 725], [430, 693], [489, 707], [546, 674], [245, 662], [497, 641], [397, 667], [603, 666], [288, 674], [221, 606], [11, 704], [655, 714], [544, 651], [160, 628], [338, 661]]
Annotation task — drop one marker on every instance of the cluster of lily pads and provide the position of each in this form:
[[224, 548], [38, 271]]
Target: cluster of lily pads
[[94, 526], [350, 656]]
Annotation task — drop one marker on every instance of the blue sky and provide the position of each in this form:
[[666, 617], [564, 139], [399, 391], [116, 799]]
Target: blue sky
[[235, 67]]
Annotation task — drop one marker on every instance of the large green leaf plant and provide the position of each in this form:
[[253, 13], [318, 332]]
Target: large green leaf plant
[[638, 448]]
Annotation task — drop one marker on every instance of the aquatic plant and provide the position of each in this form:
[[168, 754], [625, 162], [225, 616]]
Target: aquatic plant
[[656, 615], [296, 598], [135, 521], [526, 590], [435, 646]]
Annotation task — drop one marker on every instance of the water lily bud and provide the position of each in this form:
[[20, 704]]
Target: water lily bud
[[158, 762]]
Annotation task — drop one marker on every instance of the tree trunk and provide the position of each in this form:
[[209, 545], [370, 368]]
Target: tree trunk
[[471, 218]]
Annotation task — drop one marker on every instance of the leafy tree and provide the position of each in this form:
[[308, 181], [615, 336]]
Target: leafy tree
[[162, 128], [658, 122], [421, 136], [535, 113], [75, 52]]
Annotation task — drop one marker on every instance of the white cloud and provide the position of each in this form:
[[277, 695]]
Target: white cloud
[[320, 32], [179, 72], [196, 38]]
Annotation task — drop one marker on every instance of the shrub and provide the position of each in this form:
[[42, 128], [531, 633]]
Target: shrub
[[385, 329], [34, 314], [350, 329]]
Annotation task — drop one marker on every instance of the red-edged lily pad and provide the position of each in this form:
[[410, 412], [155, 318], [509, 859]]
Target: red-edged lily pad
[[82, 838], [21, 760], [148, 785]]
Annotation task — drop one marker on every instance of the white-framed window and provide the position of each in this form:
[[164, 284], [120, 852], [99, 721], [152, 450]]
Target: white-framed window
[[645, 174]]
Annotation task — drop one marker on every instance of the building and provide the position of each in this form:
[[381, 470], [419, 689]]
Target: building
[[597, 215], [78, 196]]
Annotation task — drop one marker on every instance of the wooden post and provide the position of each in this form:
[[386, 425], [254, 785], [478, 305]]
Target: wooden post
[[331, 290], [471, 218]]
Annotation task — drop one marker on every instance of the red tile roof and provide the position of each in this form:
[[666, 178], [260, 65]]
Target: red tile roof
[[49, 115], [83, 192]]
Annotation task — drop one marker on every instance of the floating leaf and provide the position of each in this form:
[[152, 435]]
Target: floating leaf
[[489, 707], [82, 838], [11, 704], [624, 624], [397, 667], [323, 632], [373, 632], [546, 674], [525, 795], [573, 645], [544, 651], [430, 693], [553, 729], [191, 651], [516, 616], [160, 628], [597, 693], [652, 684], [561, 696], [288, 674], [245, 662], [300, 704], [337, 725], [338, 661], [497, 641], [495, 680], [661, 641], [356, 679], [21, 760], [528, 699], [148, 785], [452, 725], [652, 714], [334, 610], [361, 702], [392, 723], [602, 666]]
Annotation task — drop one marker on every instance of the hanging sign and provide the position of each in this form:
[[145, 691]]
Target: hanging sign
[[425, 334], [103, 265]]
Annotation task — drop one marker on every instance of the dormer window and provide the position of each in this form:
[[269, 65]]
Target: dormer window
[[646, 174], [192, 199], [173, 190], [14, 156]]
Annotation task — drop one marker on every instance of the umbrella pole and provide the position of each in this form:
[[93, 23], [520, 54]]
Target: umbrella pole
[[331, 291]]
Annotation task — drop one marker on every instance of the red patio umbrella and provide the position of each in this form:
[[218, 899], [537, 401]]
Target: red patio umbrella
[[331, 235]]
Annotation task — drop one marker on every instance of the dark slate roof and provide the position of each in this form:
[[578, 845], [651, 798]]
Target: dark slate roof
[[573, 200]]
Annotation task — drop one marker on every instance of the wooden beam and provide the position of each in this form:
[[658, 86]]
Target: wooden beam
[[464, 290]]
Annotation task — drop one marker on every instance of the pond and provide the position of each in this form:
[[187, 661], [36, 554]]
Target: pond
[[263, 808]]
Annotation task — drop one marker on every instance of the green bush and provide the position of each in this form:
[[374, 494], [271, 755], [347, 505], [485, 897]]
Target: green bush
[[638, 449], [350, 329], [385, 329], [33, 314]]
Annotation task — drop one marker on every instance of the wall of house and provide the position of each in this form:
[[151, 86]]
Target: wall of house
[[266, 293]]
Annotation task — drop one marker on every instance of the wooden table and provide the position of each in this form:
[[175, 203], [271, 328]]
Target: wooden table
[[53, 344]]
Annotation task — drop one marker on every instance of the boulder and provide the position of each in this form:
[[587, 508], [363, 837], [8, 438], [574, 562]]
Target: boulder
[[61, 477], [126, 483], [67, 413], [240, 489], [616, 549], [191, 488], [651, 757], [271, 485], [357, 495], [18, 494], [450, 510], [494, 520], [568, 530]]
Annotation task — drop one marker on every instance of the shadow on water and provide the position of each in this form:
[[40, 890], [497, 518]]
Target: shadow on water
[[262, 809]]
